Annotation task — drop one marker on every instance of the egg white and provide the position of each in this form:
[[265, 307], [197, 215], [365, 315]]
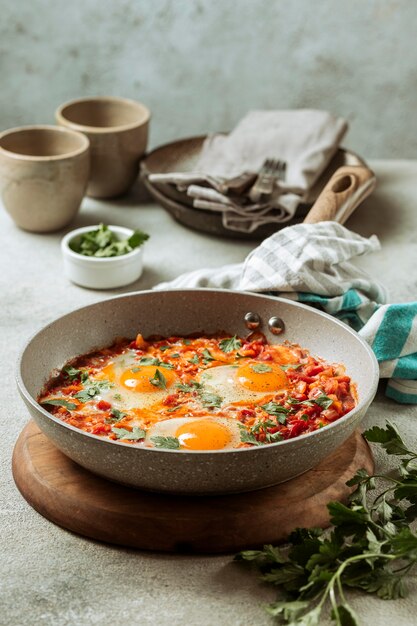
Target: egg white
[[122, 398]]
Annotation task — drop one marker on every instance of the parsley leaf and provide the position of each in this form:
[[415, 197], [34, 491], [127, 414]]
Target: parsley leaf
[[91, 389], [149, 360], [260, 368], [292, 366], [324, 401], [117, 415], [278, 411], [228, 345], [193, 385], [207, 356], [195, 360], [158, 380], [171, 443], [61, 402], [210, 400], [75, 374], [247, 436], [131, 435]]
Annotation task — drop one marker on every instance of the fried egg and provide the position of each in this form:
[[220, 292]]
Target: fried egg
[[247, 382], [134, 385], [196, 433]]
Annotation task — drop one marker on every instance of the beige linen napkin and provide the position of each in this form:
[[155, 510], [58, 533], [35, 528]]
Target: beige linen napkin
[[305, 139]]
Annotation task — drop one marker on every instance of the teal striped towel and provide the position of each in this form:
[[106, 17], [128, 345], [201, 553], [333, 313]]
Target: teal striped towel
[[390, 329], [312, 263]]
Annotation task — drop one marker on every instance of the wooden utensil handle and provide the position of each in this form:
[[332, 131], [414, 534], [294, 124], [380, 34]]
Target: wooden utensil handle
[[348, 186]]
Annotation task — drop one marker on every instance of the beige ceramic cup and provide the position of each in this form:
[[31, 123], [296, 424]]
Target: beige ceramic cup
[[43, 175], [118, 132]]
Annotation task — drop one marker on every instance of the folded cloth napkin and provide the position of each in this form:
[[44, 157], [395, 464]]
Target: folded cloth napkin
[[312, 263], [305, 139]]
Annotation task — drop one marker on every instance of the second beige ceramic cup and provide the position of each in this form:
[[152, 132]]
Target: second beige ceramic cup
[[43, 175], [118, 132]]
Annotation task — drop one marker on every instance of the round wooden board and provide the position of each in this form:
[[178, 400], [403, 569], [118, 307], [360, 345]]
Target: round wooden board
[[77, 500]]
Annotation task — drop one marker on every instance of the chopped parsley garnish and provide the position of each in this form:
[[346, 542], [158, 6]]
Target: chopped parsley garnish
[[247, 437], [187, 342], [171, 443], [148, 360], [193, 385], [292, 366], [91, 389], [61, 402], [117, 396], [118, 415], [75, 374], [158, 380], [131, 435], [260, 368], [228, 345], [195, 360], [273, 408], [273, 437], [103, 242], [324, 401], [175, 355], [207, 356], [174, 408], [210, 400]]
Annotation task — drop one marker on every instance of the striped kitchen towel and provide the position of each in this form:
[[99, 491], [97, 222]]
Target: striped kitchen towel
[[312, 263]]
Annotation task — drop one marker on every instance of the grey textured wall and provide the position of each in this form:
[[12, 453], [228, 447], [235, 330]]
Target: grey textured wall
[[201, 64]]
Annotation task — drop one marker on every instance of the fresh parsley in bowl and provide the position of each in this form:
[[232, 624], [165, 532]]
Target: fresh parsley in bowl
[[104, 242], [103, 257]]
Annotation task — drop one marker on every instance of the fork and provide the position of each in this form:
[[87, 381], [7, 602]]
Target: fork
[[271, 171]]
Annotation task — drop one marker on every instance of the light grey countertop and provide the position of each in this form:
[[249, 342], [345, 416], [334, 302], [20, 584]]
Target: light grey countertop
[[50, 576]]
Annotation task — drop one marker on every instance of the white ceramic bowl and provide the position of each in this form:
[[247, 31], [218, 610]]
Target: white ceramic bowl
[[101, 273]]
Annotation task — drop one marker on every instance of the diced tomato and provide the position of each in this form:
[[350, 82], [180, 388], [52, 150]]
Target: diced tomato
[[348, 404], [101, 428], [297, 427], [313, 370], [171, 400], [103, 405], [330, 414], [293, 375]]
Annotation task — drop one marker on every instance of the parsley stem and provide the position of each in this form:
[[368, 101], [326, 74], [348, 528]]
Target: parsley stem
[[336, 578]]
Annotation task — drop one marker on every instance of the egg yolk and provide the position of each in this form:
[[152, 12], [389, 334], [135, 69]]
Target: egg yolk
[[145, 378], [203, 434], [262, 376]]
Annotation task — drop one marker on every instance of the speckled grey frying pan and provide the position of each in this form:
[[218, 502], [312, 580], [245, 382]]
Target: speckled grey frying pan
[[182, 312]]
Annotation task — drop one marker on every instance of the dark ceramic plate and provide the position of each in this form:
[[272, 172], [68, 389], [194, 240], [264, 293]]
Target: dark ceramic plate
[[182, 155]]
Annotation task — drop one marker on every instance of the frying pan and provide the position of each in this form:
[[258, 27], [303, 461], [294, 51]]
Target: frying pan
[[181, 312], [188, 311]]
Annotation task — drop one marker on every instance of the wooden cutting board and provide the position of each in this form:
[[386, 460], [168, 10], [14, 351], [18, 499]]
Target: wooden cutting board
[[77, 500]]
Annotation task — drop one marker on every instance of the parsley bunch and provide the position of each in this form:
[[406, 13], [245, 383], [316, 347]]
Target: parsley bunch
[[371, 547]]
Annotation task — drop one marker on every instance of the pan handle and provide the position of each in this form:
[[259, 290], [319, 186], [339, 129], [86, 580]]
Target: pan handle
[[345, 190]]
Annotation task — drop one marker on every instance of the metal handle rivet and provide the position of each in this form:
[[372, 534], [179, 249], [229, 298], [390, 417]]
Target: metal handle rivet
[[276, 325], [252, 321]]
